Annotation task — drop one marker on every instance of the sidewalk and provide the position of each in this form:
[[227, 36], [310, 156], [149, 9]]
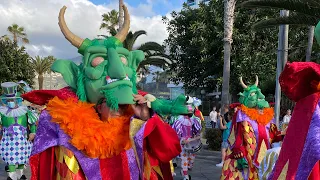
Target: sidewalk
[[204, 166]]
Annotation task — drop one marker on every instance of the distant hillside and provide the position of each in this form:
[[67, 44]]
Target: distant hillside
[[77, 60]]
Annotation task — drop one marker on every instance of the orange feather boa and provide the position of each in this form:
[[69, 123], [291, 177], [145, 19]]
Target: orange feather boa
[[88, 133], [254, 114]]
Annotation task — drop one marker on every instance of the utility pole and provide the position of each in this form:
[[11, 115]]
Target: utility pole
[[281, 61]]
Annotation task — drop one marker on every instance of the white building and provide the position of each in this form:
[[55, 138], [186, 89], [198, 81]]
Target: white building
[[54, 81], [195, 3]]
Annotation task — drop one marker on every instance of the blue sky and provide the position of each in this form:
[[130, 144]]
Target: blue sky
[[159, 7]]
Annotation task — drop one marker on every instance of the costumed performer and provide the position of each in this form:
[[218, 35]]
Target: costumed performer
[[100, 127], [250, 136], [188, 129], [299, 156], [18, 130]]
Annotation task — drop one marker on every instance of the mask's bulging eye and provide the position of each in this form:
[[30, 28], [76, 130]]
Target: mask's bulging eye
[[124, 60], [252, 94], [96, 61]]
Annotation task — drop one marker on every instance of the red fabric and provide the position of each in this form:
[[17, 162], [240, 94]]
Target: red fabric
[[41, 97], [315, 173], [293, 145], [142, 93], [115, 168], [262, 137], [162, 144], [238, 147], [163, 140], [296, 79], [45, 160]]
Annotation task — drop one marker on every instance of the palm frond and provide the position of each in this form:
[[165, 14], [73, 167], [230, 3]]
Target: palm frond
[[298, 19], [151, 46], [308, 7], [138, 33], [25, 40]]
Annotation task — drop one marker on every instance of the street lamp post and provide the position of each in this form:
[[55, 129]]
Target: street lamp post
[[202, 93]]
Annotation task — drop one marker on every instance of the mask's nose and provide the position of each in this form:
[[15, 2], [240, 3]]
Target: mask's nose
[[115, 66]]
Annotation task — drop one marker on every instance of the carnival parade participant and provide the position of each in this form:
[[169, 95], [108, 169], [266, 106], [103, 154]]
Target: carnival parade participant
[[188, 129], [299, 156], [101, 127], [16, 141], [250, 136]]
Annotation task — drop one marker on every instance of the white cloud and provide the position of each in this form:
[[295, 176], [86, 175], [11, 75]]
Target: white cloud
[[40, 19]]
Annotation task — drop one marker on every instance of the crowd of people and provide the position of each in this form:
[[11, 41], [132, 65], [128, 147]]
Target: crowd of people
[[102, 127]]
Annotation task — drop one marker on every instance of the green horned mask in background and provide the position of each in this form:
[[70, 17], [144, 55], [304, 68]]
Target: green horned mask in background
[[107, 69], [252, 96]]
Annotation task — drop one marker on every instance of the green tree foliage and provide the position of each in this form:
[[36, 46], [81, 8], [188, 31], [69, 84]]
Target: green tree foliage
[[303, 12], [195, 42], [14, 63], [42, 66], [110, 21]]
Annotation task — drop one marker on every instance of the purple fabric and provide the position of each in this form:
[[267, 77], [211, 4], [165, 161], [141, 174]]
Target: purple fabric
[[49, 135], [184, 130], [133, 166], [311, 150], [138, 140], [241, 116]]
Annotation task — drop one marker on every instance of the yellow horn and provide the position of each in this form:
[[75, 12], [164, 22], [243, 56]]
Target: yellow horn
[[72, 38], [122, 34], [243, 84]]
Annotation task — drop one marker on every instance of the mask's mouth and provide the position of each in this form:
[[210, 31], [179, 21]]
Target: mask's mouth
[[109, 80], [112, 83]]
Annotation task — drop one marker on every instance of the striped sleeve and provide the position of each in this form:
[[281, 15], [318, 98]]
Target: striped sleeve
[[32, 117]]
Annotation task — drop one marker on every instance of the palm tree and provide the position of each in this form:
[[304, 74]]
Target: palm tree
[[120, 20], [154, 52], [51, 59], [110, 21], [229, 6], [18, 33], [305, 12], [41, 66]]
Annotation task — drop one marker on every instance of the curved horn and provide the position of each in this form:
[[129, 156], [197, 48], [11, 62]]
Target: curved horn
[[72, 38], [122, 34], [243, 84], [257, 81]]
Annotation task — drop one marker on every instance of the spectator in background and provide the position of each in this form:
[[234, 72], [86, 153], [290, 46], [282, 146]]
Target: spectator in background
[[225, 125], [213, 117], [287, 117]]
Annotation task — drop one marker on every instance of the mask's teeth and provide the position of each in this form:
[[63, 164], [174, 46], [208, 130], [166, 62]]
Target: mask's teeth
[[108, 79], [127, 77]]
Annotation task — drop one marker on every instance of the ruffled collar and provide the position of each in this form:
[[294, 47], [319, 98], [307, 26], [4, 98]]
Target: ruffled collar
[[88, 133], [19, 111]]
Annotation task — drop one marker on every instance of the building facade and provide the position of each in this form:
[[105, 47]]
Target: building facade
[[195, 3]]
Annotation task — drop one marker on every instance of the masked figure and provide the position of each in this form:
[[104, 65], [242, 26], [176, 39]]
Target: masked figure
[[18, 130], [188, 129], [101, 127], [299, 156], [251, 135]]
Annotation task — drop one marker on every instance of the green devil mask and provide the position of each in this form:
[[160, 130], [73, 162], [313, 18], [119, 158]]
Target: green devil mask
[[107, 69], [252, 96]]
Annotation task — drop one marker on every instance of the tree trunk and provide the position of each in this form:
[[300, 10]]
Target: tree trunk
[[310, 43], [15, 38], [40, 81], [229, 6], [120, 14]]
